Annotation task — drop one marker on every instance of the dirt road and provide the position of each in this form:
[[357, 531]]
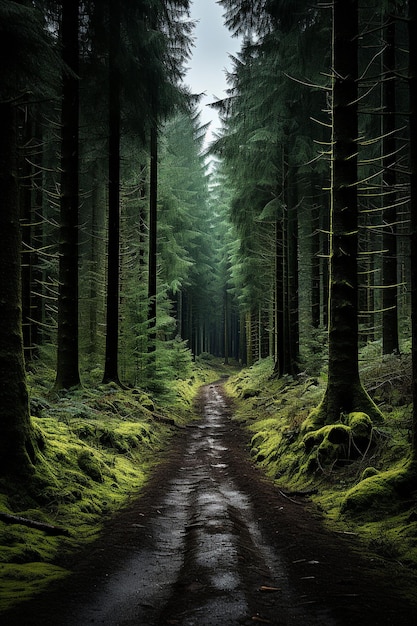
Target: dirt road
[[212, 543]]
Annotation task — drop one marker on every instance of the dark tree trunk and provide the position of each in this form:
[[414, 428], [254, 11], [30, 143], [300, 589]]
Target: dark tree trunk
[[390, 341], [412, 26], [344, 392], [97, 262], [325, 251], [17, 446], [279, 312], [315, 266], [26, 220], [37, 273], [242, 340], [293, 281], [111, 366], [285, 368], [67, 374], [226, 326], [153, 225]]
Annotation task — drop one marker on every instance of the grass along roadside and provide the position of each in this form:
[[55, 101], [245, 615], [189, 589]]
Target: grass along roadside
[[355, 490], [98, 448]]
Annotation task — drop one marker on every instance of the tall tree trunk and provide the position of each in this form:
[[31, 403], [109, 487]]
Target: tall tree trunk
[[17, 444], [279, 312], [38, 242], [226, 325], [96, 262], [412, 29], [26, 220], [294, 343], [249, 343], [390, 342], [111, 366], [153, 225], [315, 264], [344, 392], [325, 252], [67, 374]]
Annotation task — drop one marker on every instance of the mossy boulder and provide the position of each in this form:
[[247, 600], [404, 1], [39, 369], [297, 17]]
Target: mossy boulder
[[377, 491], [381, 490], [250, 393], [333, 443], [90, 466], [335, 434]]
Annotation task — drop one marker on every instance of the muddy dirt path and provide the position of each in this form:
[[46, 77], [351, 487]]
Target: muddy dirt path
[[212, 543]]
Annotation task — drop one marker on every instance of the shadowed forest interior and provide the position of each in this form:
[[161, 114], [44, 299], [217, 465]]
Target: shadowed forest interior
[[137, 263]]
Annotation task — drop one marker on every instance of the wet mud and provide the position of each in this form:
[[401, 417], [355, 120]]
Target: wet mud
[[212, 542]]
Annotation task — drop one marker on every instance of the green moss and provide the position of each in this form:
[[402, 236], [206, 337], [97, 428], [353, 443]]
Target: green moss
[[313, 422], [368, 472], [99, 446], [20, 581], [376, 491], [358, 464], [360, 424], [382, 490], [90, 466]]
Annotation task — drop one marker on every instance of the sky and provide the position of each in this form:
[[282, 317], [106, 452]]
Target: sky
[[213, 45]]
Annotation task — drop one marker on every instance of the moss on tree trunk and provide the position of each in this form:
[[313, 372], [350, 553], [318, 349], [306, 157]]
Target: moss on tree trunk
[[345, 392], [17, 441]]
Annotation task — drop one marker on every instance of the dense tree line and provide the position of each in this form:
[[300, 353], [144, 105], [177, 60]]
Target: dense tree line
[[106, 263], [121, 255], [317, 148]]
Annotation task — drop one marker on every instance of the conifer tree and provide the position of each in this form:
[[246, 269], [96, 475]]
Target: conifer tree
[[412, 81], [21, 30], [147, 52], [390, 340], [111, 367], [67, 374], [345, 393], [267, 144]]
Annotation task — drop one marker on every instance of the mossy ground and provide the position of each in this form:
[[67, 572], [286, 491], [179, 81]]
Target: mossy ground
[[98, 447], [357, 473]]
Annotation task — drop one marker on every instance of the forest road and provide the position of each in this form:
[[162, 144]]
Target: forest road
[[213, 543]]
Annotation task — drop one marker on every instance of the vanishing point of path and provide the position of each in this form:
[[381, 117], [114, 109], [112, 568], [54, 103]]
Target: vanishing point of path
[[213, 543]]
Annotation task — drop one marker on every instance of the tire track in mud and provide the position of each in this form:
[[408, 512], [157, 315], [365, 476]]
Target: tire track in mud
[[210, 542], [206, 563], [226, 563]]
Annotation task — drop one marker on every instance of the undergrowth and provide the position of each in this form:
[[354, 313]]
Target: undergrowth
[[98, 446], [363, 486]]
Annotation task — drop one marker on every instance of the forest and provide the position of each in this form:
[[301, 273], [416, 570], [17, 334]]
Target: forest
[[137, 265]]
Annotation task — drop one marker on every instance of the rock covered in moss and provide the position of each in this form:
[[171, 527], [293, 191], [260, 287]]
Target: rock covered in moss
[[90, 466], [331, 443], [374, 491]]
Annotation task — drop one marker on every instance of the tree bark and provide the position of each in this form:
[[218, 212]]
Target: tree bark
[[67, 374], [279, 365], [26, 220], [294, 328], [17, 441], [344, 392], [412, 31], [111, 365], [153, 225], [315, 265], [390, 342]]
